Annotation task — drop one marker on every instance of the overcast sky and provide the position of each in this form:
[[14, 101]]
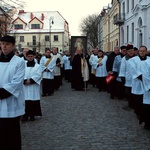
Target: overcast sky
[[73, 11]]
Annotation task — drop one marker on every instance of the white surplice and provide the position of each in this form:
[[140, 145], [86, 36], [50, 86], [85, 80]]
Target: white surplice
[[66, 62], [12, 77], [90, 61], [32, 92], [50, 67], [125, 71], [116, 66], [85, 71], [57, 69], [136, 66], [146, 82], [100, 70]]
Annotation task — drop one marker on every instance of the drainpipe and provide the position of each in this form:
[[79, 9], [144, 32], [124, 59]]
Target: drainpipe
[[108, 32]]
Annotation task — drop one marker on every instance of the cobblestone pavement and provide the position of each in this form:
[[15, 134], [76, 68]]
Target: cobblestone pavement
[[84, 120]]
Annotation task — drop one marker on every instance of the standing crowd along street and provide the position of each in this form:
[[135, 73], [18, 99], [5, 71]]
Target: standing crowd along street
[[123, 73]]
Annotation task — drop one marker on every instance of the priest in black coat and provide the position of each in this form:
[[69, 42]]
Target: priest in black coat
[[77, 82]]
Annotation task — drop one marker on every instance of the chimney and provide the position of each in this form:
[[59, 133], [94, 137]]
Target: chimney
[[31, 15], [21, 12], [42, 17]]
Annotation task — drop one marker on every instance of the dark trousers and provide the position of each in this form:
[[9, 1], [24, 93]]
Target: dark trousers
[[129, 97], [138, 102], [10, 135], [112, 88], [101, 83], [57, 82], [48, 86], [145, 114], [93, 80], [68, 75], [33, 108], [120, 90]]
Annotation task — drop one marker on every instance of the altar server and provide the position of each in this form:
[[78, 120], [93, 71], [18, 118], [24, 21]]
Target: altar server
[[137, 64], [12, 101], [32, 81], [47, 65], [99, 63]]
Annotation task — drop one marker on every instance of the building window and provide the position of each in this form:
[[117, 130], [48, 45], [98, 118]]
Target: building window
[[18, 26], [132, 4], [47, 38], [123, 7], [55, 37], [35, 26], [21, 38], [34, 40], [132, 32], [127, 6], [47, 48], [127, 34], [34, 49]]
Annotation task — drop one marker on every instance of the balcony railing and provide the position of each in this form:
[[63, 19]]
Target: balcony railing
[[119, 19], [33, 44]]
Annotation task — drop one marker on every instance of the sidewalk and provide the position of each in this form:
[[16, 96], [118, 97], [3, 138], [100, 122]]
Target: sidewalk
[[84, 120]]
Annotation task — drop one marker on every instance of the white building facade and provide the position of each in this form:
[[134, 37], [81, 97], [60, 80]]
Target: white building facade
[[134, 22], [39, 31]]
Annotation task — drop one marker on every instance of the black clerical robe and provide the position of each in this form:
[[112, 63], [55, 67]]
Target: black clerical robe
[[77, 82]]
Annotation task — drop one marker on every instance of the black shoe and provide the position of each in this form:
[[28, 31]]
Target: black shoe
[[32, 118], [24, 119], [147, 127], [111, 97], [79, 89], [126, 108]]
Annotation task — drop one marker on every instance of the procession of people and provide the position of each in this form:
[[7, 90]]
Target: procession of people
[[123, 73]]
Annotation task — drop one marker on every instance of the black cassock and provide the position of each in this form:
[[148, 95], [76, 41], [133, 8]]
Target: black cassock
[[77, 82]]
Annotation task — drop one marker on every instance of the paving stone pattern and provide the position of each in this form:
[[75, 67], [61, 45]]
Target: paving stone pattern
[[84, 120]]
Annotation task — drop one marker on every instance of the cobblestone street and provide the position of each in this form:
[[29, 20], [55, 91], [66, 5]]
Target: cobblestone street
[[84, 120]]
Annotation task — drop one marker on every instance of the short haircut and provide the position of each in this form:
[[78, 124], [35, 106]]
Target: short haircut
[[123, 47], [143, 46]]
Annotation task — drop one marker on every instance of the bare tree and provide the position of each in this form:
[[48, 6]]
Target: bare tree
[[89, 28], [9, 4], [8, 10]]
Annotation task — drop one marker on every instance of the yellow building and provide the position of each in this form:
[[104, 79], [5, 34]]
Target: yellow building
[[39, 31], [110, 30]]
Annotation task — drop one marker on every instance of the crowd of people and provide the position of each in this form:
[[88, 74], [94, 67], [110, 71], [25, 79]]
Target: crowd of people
[[123, 73]]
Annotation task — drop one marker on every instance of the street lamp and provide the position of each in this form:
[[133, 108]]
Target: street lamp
[[51, 22]]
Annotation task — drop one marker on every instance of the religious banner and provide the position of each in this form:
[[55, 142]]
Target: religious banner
[[78, 42]]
